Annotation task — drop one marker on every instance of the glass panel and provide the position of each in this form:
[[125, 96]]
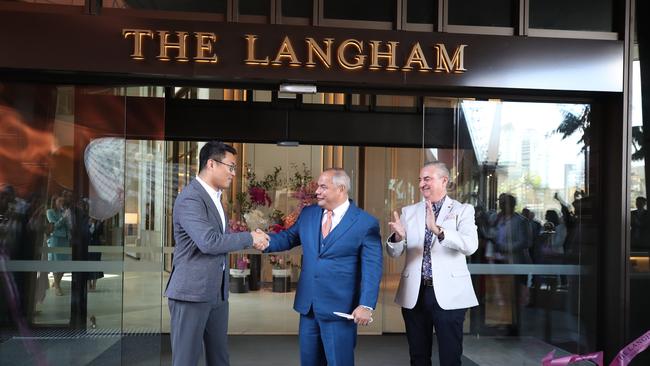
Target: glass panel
[[61, 222], [422, 11], [212, 6], [525, 169], [639, 217], [375, 10], [579, 15], [143, 239], [496, 13], [297, 8], [254, 7]]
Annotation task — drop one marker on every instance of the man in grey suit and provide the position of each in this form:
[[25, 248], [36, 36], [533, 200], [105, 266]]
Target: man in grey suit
[[197, 290]]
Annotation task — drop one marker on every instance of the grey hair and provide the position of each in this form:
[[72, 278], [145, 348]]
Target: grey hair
[[441, 168], [340, 178]]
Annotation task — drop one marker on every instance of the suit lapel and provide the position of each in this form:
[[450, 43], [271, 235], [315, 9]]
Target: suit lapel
[[344, 225], [209, 203], [420, 215]]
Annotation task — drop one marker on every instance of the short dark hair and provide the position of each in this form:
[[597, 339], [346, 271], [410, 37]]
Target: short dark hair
[[215, 150]]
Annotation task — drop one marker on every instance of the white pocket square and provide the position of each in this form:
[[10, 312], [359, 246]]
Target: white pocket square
[[451, 216]]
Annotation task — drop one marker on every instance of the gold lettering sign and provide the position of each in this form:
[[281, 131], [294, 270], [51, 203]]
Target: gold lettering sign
[[324, 56], [138, 37], [204, 52], [250, 54], [375, 55], [455, 64], [416, 57], [286, 51], [350, 53], [166, 45], [359, 58]]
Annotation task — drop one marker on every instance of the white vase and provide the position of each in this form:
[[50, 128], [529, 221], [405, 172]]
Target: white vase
[[239, 272], [281, 272]]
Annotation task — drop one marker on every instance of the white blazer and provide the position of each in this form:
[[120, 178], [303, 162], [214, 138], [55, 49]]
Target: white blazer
[[451, 278]]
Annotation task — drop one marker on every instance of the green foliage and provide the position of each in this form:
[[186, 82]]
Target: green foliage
[[577, 122], [300, 177]]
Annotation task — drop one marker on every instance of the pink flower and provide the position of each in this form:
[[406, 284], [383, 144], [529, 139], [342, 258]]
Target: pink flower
[[236, 226], [306, 193], [242, 263]]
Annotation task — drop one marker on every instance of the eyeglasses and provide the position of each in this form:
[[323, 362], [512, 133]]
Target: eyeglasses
[[231, 167]]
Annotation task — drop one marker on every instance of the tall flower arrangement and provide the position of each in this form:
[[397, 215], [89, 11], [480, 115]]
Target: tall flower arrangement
[[257, 209], [256, 201]]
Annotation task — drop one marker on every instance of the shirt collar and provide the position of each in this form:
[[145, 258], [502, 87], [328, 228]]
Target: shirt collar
[[341, 209], [211, 191]]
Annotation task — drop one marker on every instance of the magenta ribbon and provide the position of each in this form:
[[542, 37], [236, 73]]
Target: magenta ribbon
[[631, 350], [596, 357], [623, 358]]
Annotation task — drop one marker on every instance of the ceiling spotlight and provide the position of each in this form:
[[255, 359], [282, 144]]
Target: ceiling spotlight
[[288, 143], [298, 88]]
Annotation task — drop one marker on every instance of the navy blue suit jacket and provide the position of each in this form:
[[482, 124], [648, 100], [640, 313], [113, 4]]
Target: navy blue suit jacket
[[339, 272]]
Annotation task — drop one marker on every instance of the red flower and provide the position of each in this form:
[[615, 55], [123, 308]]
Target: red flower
[[276, 228], [259, 196]]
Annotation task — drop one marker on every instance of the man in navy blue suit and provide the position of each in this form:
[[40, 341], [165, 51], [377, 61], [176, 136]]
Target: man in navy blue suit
[[341, 271]]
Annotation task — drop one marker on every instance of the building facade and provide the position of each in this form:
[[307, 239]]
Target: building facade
[[536, 107]]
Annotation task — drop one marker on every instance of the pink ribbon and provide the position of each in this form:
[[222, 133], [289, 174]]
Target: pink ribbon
[[596, 357], [623, 358], [631, 350]]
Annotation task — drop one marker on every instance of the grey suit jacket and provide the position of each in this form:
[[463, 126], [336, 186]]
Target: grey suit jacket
[[202, 246]]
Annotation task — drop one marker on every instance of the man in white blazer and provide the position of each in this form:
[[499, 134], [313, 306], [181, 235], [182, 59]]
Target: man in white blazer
[[435, 288]]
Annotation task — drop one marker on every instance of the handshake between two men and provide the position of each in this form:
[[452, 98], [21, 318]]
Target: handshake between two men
[[260, 240]]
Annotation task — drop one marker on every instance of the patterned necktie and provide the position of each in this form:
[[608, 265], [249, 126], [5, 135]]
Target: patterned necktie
[[428, 240], [327, 225]]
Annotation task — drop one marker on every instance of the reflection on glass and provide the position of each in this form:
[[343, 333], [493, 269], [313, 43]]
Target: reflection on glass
[[525, 168], [62, 216], [639, 218]]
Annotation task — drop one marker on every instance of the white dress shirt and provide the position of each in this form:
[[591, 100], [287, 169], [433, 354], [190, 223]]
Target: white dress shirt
[[337, 214], [216, 198]]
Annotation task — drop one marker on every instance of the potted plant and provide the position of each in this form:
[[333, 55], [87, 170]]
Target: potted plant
[[281, 274], [239, 275]]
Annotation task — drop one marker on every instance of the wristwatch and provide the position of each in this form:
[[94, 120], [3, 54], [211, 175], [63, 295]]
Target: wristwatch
[[441, 234]]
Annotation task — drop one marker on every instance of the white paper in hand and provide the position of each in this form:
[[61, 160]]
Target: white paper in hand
[[347, 316]]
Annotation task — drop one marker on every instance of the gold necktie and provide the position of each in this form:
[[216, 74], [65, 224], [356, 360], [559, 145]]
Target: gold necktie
[[327, 225]]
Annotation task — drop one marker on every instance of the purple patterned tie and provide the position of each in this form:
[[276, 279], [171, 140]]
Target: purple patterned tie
[[428, 240]]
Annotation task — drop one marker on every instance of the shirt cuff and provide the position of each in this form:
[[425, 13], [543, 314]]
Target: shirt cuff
[[367, 307]]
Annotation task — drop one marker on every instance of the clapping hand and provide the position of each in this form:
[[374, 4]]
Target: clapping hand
[[431, 219], [260, 240], [397, 227]]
